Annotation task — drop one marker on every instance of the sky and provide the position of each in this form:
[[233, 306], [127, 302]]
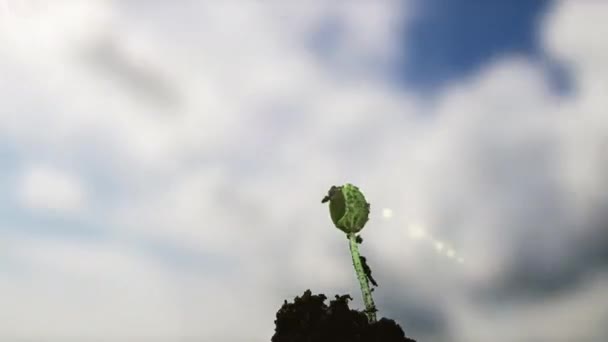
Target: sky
[[162, 166]]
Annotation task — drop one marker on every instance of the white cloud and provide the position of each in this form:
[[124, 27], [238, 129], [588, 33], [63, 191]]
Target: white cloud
[[67, 289], [53, 289], [46, 188], [575, 31]]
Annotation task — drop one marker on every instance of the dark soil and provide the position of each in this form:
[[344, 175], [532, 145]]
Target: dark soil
[[308, 319]]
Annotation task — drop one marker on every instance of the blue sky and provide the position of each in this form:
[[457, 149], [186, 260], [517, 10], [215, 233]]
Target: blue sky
[[161, 160], [452, 39]]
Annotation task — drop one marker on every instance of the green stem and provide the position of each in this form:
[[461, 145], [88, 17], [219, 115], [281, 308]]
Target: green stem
[[370, 308]]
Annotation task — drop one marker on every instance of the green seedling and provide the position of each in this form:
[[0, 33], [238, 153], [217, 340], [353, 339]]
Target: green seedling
[[349, 212]]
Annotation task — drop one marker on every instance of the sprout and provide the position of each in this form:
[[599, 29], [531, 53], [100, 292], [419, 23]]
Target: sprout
[[349, 212]]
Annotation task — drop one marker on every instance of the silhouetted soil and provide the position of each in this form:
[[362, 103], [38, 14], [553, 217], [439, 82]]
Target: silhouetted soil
[[308, 319]]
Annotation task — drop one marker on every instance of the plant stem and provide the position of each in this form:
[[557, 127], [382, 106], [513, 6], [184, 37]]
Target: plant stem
[[370, 307]]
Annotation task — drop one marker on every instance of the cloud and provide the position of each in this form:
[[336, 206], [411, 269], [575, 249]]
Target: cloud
[[45, 188], [71, 289], [581, 45], [58, 288], [577, 315]]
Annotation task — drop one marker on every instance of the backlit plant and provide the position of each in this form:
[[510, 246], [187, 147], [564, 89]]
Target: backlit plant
[[349, 212]]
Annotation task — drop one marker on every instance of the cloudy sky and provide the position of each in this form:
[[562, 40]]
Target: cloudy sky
[[162, 165]]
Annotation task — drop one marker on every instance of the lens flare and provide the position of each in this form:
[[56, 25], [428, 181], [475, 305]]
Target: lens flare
[[387, 213], [450, 253], [417, 232], [438, 246]]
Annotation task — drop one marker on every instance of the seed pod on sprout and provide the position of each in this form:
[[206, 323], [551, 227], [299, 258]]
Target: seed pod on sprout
[[347, 207]]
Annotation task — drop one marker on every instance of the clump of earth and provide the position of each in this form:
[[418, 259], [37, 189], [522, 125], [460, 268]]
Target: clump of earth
[[309, 319]]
